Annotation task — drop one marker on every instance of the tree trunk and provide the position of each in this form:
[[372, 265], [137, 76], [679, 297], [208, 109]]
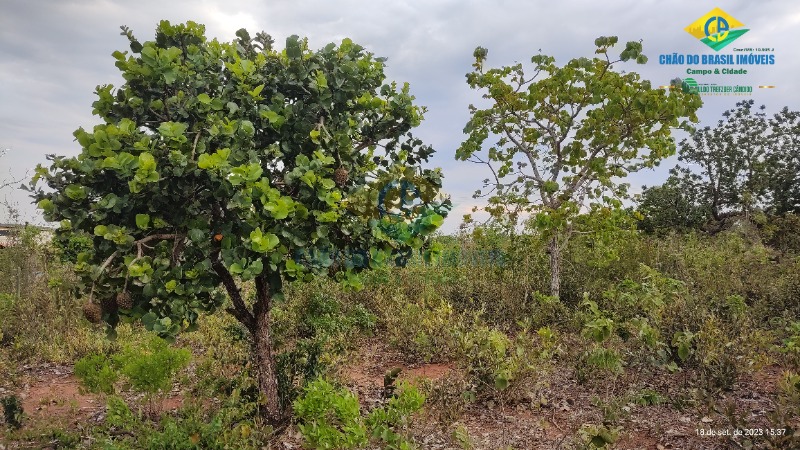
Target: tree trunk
[[555, 266], [258, 325], [266, 368]]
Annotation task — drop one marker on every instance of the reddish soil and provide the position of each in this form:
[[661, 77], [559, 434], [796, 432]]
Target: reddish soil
[[53, 394], [547, 414], [568, 406], [58, 398]]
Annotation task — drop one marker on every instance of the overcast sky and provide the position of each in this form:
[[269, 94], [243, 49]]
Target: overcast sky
[[53, 53]]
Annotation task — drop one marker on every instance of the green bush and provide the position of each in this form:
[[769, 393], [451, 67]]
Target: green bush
[[97, 373], [386, 421], [791, 345], [152, 367], [40, 318], [496, 363], [12, 411], [148, 368], [783, 233], [422, 329], [313, 330], [191, 428], [330, 418]]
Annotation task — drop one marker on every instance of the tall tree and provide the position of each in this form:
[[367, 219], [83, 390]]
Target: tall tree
[[218, 164], [678, 204], [732, 160], [783, 163], [567, 134]]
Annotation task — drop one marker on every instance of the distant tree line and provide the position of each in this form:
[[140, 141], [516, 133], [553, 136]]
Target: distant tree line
[[746, 167]]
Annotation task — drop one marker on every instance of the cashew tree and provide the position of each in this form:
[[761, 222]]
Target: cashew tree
[[566, 136], [221, 165]]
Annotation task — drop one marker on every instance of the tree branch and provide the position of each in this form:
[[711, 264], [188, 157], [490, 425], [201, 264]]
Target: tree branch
[[194, 145], [239, 309], [139, 250]]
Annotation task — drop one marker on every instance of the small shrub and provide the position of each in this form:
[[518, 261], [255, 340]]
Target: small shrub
[[97, 373], [596, 363], [330, 417], [148, 368], [314, 330], [12, 411], [423, 329], [648, 397], [597, 436], [782, 422], [783, 233], [720, 354], [191, 428], [387, 422], [495, 363], [448, 397], [152, 368], [791, 344]]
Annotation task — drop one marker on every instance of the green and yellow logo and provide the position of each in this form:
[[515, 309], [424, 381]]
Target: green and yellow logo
[[716, 29]]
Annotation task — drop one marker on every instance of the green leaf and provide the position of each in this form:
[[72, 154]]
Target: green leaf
[[142, 221], [683, 351], [501, 382], [172, 129], [204, 98], [436, 220], [46, 205], [255, 92], [314, 134], [279, 209], [322, 82], [197, 235], [247, 128], [263, 243], [236, 268], [293, 47], [149, 319], [75, 192], [275, 119], [205, 161]]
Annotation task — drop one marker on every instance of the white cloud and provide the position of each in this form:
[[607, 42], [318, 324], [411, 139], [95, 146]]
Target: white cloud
[[53, 54]]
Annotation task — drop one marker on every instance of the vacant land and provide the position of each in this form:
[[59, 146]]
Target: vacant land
[[675, 341]]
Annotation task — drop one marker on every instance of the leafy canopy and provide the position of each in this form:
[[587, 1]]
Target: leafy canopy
[[217, 163], [566, 135], [748, 161]]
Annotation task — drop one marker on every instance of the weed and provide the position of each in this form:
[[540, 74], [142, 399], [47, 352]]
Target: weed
[[331, 417], [597, 436], [12, 411], [148, 369]]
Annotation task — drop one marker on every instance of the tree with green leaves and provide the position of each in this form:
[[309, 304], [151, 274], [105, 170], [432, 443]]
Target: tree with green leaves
[[219, 166], [678, 204], [730, 160], [783, 163], [748, 162], [566, 136]]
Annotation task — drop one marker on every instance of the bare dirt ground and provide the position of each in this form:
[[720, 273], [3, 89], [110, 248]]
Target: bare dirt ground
[[51, 394], [562, 407], [52, 398]]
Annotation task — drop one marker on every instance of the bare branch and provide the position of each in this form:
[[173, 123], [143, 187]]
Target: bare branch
[[194, 145]]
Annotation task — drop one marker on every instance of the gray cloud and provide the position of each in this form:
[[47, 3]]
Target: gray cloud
[[54, 53]]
